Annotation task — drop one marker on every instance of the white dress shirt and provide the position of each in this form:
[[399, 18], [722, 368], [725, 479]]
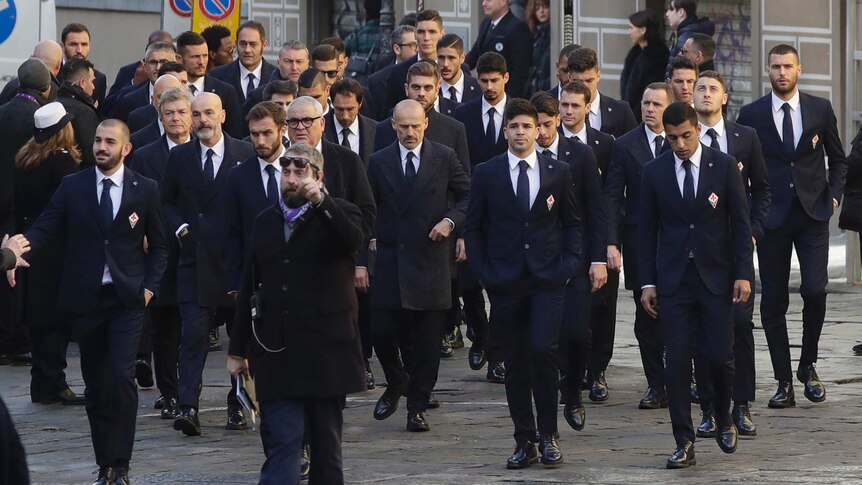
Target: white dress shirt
[[532, 173], [264, 177], [243, 76], [795, 116], [651, 135], [554, 148], [416, 151], [720, 130], [116, 198], [352, 138], [218, 155], [582, 134], [695, 170], [199, 86], [459, 87], [498, 115], [171, 143], [595, 113]]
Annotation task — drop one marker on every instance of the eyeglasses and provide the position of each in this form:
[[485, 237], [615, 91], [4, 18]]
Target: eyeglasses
[[298, 162], [331, 74], [411, 45], [157, 62], [306, 122]]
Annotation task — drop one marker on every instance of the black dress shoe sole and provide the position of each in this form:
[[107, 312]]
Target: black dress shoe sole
[[417, 428], [658, 405], [727, 449], [188, 428], [551, 464], [701, 434], [521, 465], [781, 404], [168, 415], [390, 412], [746, 434], [435, 404], [675, 466]]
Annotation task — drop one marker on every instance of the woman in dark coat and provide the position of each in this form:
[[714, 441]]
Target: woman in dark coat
[[851, 207], [646, 60], [39, 167], [539, 22]]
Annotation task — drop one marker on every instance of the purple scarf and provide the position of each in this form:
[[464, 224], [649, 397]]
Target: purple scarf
[[291, 215]]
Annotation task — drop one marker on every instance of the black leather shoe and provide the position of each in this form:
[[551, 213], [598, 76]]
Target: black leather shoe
[[66, 396], [433, 402], [598, 387], [693, 395], [742, 419], [575, 415], [160, 403], [707, 426], [235, 419], [446, 350], [369, 376], [784, 396], [214, 340], [416, 422], [456, 340], [653, 399], [171, 409], [857, 349], [525, 455], [476, 357], [683, 457], [187, 422], [496, 373], [551, 454], [144, 373], [727, 436], [814, 389], [106, 476], [121, 476], [305, 462], [387, 404]]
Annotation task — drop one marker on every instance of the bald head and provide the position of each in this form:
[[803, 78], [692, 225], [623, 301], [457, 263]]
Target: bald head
[[410, 122], [207, 118], [205, 99], [408, 107], [162, 84], [159, 36], [51, 53]]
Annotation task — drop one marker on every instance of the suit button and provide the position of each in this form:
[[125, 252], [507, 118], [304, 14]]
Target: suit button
[[106, 242], [691, 226], [200, 216], [791, 185], [284, 288], [526, 224], [400, 246], [792, 164], [286, 261], [526, 246]]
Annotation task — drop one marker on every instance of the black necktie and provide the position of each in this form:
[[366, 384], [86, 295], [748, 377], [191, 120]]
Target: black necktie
[[787, 131], [453, 94], [688, 184], [209, 171], [106, 205], [576, 138], [491, 130], [523, 192], [410, 170], [714, 135], [193, 89], [271, 185], [250, 86], [548, 153], [659, 141], [344, 140]]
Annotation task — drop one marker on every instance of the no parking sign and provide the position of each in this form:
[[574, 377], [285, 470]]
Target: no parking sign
[[210, 12], [177, 16]]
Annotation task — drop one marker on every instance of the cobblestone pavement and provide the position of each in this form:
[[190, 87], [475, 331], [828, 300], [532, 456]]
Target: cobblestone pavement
[[470, 435]]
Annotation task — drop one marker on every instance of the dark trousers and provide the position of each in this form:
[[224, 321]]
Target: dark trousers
[[364, 320], [575, 333], [694, 314], [108, 339], [48, 346], [165, 328], [649, 335], [453, 315], [282, 426], [528, 323], [13, 334], [13, 459], [811, 240], [475, 315], [418, 335], [194, 347], [603, 323]]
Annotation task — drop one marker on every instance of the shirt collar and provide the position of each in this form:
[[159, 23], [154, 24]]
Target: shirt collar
[[459, 85], [531, 160], [275, 164], [777, 102], [595, 103], [651, 135], [116, 177], [719, 129], [243, 72], [218, 148], [499, 107], [354, 127], [171, 143], [695, 157], [554, 147], [416, 151], [495, 22], [199, 84]]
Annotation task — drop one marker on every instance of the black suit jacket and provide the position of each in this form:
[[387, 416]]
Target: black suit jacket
[[804, 173], [513, 40], [743, 144], [101, 86], [73, 214], [471, 89], [441, 129], [617, 116], [378, 90], [397, 77], [141, 117], [470, 114], [720, 235], [229, 73], [124, 77], [309, 304], [234, 121], [412, 271], [145, 136], [602, 145], [589, 202], [128, 99], [504, 245], [367, 128]]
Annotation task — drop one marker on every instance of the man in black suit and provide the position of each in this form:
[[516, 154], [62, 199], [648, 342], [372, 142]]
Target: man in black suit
[[631, 153], [292, 62], [743, 144], [695, 264], [592, 268], [193, 196], [106, 286], [405, 47], [250, 70], [75, 39], [193, 53], [607, 114], [523, 241], [136, 72], [308, 275], [457, 85], [144, 115], [162, 324], [797, 130], [413, 181], [505, 34], [683, 74], [127, 99], [344, 125]]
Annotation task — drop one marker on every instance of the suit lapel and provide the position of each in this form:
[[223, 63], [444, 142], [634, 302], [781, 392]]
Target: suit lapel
[[427, 166], [641, 149], [705, 179], [130, 186], [196, 171], [808, 120], [506, 181], [94, 202], [546, 174], [227, 162]]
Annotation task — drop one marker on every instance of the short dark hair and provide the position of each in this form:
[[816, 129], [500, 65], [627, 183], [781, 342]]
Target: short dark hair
[[189, 38], [75, 69], [583, 60], [704, 43], [348, 87], [546, 103], [429, 15], [115, 123], [324, 52], [690, 6], [335, 42], [782, 50], [170, 67], [713, 75], [650, 20], [408, 19], [578, 87], [678, 113], [684, 63], [491, 62], [423, 68], [252, 24], [567, 51], [451, 41], [73, 28], [659, 87], [267, 109], [519, 106], [213, 35], [312, 77], [287, 87]]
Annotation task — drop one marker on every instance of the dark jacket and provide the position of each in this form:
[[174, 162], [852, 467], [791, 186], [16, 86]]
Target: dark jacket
[[229, 73], [145, 136], [470, 115], [441, 129], [11, 89], [642, 67], [512, 39], [540, 73], [367, 128], [86, 120], [308, 301], [142, 116], [589, 202], [851, 207], [127, 100], [689, 26]]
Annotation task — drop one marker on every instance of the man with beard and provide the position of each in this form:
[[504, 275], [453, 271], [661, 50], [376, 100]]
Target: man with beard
[[193, 196], [300, 269], [106, 285], [76, 96], [75, 40], [457, 85], [798, 130]]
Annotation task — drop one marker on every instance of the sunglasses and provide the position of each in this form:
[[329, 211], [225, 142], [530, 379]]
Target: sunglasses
[[306, 122], [331, 74], [298, 162]]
